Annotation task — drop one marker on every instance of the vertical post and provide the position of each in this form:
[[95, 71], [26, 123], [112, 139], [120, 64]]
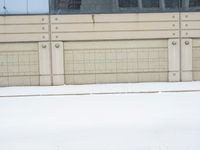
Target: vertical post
[[140, 4], [186, 4], [162, 4], [44, 63], [186, 60], [174, 60], [58, 63], [115, 5]]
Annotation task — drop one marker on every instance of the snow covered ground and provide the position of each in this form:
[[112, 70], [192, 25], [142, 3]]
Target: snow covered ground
[[160, 120]]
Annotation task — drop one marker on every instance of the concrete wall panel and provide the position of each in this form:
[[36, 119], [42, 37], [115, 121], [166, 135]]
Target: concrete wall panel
[[19, 64], [196, 59], [24, 29], [115, 26], [105, 62]]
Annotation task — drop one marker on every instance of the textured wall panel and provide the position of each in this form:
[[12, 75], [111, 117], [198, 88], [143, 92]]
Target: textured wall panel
[[132, 61], [19, 64], [196, 59]]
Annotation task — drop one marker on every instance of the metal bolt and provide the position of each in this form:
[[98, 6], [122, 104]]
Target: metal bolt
[[186, 33], [186, 16], [42, 19], [43, 37], [186, 25], [57, 45], [43, 28], [44, 45], [173, 16], [174, 43], [173, 25], [56, 19], [187, 42]]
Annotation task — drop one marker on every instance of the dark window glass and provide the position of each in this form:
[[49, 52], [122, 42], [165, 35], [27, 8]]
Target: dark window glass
[[120, 6], [194, 3], [171, 3], [128, 3], [82, 6], [97, 6], [74, 4], [63, 6], [150, 3]]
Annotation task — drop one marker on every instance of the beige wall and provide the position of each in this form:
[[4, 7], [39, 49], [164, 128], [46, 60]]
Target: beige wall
[[115, 26], [24, 28], [19, 50], [135, 50], [196, 59], [19, 64], [116, 61], [190, 31], [100, 48]]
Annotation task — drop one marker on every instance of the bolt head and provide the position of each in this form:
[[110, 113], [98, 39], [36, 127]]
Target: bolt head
[[187, 42], [44, 46], [57, 45], [174, 43]]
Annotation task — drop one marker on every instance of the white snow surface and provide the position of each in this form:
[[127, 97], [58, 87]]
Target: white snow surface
[[101, 88], [142, 121]]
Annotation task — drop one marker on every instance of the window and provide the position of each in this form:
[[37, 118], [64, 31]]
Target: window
[[11, 7], [74, 4], [169, 4], [24, 7], [1, 7], [128, 3], [65, 6], [150, 3], [38, 6], [82, 6], [120, 6], [194, 3], [97, 6]]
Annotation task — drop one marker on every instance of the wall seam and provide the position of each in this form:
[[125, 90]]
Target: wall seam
[[50, 52]]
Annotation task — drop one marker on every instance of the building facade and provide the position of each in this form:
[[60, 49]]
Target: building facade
[[100, 41]]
